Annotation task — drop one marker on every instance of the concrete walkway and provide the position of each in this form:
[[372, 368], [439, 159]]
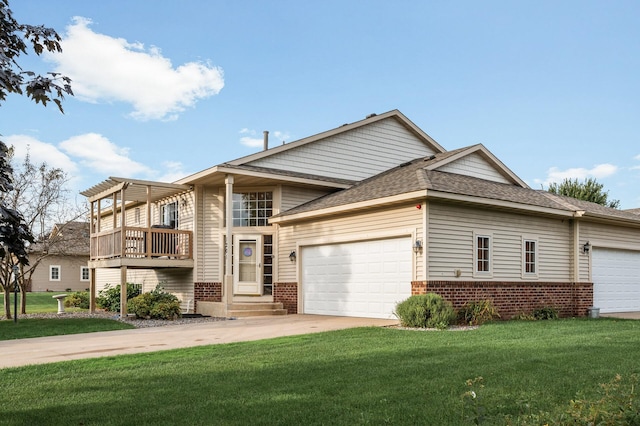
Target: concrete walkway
[[43, 350]]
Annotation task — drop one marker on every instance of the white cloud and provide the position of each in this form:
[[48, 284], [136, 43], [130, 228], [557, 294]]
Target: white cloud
[[101, 155], [40, 152], [598, 172], [104, 68], [173, 171]]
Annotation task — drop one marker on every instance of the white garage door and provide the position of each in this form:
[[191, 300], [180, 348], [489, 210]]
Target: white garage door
[[363, 279], [616, 280]]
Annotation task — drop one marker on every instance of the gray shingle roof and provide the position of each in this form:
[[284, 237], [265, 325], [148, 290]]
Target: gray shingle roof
[[412, 176]]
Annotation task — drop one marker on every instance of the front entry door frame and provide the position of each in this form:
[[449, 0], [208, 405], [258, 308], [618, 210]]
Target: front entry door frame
[[247, 264]]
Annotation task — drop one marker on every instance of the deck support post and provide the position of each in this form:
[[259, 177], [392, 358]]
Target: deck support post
[[92, 290], [123, 292]]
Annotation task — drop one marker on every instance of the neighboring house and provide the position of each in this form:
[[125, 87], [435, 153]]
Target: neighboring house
[[60, 262], [355, 219]]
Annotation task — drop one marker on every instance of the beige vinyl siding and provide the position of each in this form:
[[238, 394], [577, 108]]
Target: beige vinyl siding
[[476, 166], [450, 243], [385, 223], [606, 236], [176, 281], [377, 147], [293, 196], [208, 243]]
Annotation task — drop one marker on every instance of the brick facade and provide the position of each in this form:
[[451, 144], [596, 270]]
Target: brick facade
[[287, 294], [513, 298], [207, 292]]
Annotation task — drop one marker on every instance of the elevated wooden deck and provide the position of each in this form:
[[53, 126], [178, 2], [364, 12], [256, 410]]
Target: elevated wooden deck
[[142, 247]]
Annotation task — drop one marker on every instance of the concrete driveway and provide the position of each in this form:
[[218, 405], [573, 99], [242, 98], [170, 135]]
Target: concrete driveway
[[43, 350], [623, 315]]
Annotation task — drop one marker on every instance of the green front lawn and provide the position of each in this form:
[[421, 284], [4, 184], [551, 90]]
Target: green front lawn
[[359, 376]]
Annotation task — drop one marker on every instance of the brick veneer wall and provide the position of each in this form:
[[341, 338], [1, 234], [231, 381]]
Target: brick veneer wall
[[207, 292], [513, 298], [287, 294]]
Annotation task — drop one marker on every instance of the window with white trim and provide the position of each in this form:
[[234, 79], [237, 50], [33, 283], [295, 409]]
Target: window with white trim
[[252, 208], [84, 273], [54, 272], [482, 254], [529, 257]]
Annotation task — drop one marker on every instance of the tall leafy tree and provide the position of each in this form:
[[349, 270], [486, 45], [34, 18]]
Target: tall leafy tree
[[18, 39], [589, 190]]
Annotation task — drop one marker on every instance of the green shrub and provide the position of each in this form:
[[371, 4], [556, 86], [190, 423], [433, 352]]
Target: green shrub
[[425, 311], [109, 298], [477, 312], [545, 313], [157, 304], [78, 299]]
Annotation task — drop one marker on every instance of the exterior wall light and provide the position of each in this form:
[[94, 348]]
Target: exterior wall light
[[586, 247], [292, 256], [417, 246]]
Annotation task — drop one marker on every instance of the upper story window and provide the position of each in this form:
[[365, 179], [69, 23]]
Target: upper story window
[[530, 257], [482, 257], [169, 214], [252, 208]]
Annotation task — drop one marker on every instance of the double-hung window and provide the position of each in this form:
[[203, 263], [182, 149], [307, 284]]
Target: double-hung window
[[84, 273], [54, 272], [529, 257], [482, 255]]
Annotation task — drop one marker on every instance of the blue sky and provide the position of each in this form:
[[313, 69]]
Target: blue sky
[[168, 88]]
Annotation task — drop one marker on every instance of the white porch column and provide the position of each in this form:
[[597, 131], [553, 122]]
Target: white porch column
[[228, 276]]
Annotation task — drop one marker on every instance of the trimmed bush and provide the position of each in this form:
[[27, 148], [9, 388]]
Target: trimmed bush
[[425, 311], [477, 312], [78, 299], [157, 304], [109, 298]]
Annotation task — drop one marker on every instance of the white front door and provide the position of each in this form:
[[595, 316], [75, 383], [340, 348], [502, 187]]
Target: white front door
[[247, 265]]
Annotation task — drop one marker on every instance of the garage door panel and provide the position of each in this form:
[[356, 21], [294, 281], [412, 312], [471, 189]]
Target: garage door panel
[[364, 279], [616, 280]]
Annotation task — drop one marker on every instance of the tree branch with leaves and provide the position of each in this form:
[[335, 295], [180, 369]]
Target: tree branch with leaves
[[589, 190], [18, 39]]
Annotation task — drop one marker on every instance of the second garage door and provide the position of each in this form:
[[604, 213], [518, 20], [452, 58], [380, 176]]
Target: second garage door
[[616, 280], [361, 279]]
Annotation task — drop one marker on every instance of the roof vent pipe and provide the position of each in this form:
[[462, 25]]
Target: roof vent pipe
[[266, 140]]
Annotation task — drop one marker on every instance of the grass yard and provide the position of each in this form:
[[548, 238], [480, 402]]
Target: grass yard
[[359, 376], [40, 327], [38, 303], [41, 302]]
